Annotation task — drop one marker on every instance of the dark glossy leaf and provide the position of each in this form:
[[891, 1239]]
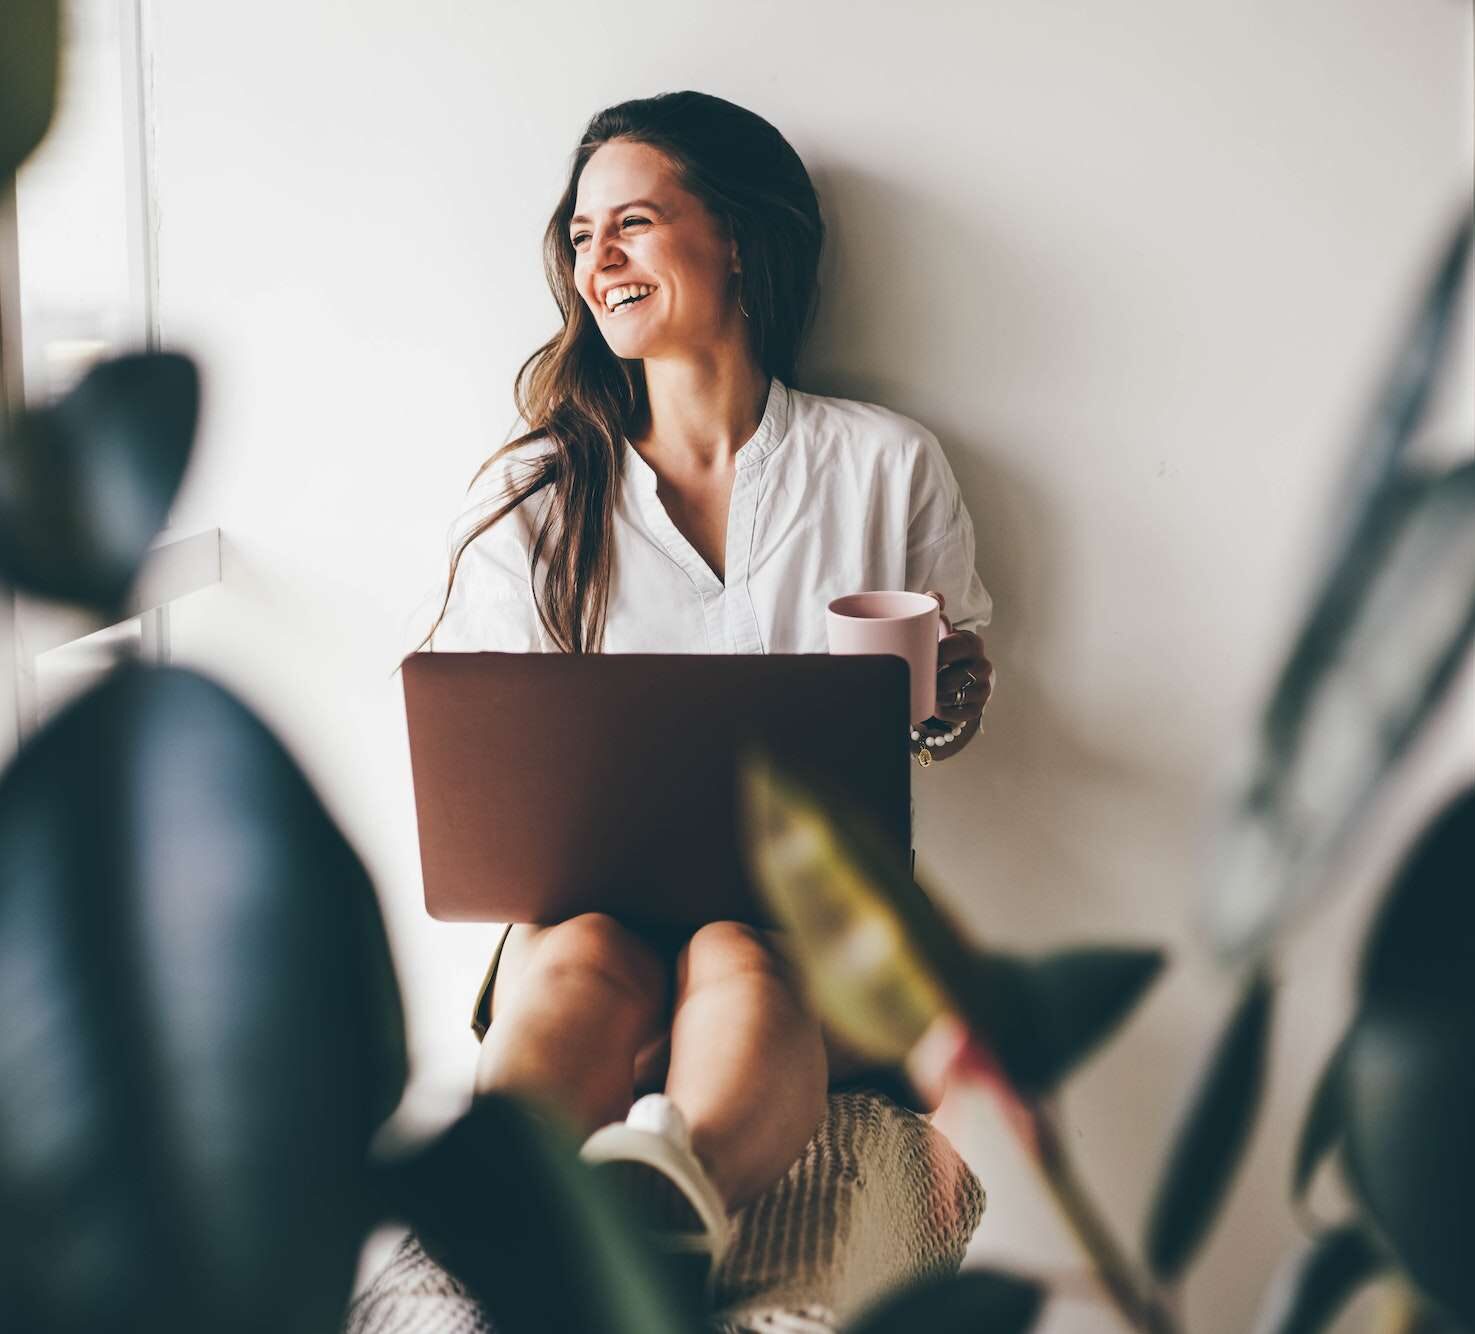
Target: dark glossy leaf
[[1313, 1285], [1212, 1135], [502, 1201], [1323, 1124], [1410, 1075], [201, 1028], [1076, 998], [977, 1301], [1406, 621], [1409, 1154], [86, 483], [1421, 944], [29, 57]]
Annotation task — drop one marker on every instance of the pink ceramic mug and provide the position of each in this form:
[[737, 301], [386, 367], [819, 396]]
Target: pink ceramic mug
[[907, 625]]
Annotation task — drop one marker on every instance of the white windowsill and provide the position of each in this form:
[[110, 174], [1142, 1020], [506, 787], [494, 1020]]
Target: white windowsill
[[175, 566]]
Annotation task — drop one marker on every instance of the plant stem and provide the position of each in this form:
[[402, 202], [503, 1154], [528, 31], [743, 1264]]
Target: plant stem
[[1133, 1294]]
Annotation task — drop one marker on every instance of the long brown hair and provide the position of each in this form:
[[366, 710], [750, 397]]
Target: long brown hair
[[585, 400]]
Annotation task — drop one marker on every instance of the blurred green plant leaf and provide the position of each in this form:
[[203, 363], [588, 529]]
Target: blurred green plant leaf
[[1377, 683], [30, 45], [502, 1201], [966, 1303], [1314, 1284], [202, 1028], [1212, 1134], [1390, 618], [86, 483], [1383, 438], [1323, 1124], [881, 962], [1075, 999], [1410, 1078]]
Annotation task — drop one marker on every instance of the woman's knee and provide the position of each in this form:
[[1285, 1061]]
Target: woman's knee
[[595, 945], [721, 950]]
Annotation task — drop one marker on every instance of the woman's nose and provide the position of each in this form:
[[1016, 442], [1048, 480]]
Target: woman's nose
[[607, 250]]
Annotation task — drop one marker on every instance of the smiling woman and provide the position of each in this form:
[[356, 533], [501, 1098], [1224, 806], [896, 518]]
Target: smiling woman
[[687, 498], [707, 204], [676, 262]]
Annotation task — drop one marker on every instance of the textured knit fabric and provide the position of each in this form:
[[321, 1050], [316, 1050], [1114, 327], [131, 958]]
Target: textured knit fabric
[[879, 1198], [829, 496]]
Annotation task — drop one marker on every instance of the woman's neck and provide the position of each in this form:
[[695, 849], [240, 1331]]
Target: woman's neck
[[700, 415]]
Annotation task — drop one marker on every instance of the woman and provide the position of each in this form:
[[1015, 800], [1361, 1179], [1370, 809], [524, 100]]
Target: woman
[[674, 493]]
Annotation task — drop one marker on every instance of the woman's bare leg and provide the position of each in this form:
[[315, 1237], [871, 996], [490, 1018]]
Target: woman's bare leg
[[572, 1006], [747, 1065]]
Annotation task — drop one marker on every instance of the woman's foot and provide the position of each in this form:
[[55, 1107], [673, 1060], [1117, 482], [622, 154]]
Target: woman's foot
[[648, 1159]]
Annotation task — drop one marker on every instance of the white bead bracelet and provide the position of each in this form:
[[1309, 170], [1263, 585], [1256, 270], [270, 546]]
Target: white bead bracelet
[[939, 740]]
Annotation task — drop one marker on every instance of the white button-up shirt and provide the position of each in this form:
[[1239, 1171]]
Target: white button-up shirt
[[829, 496]]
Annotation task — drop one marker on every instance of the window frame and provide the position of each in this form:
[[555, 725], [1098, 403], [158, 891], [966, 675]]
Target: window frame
[[177, 563]]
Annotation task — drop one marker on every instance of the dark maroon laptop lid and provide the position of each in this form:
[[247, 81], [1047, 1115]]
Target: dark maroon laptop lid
[[547, 785]]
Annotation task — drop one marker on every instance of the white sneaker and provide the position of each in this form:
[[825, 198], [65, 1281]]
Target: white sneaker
[[654, 1134]]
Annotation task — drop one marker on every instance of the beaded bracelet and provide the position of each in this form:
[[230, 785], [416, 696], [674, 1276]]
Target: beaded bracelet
[[923, 757]]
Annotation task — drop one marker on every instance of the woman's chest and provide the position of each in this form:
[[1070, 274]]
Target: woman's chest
[[700, 508]]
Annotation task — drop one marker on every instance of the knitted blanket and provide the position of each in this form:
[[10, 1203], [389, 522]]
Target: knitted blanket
[[879, 1198]]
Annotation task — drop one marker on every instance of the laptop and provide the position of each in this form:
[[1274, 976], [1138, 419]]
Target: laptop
[[548, 785]]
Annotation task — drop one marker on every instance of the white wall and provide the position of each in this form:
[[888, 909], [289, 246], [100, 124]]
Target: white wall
[[1136, 265]]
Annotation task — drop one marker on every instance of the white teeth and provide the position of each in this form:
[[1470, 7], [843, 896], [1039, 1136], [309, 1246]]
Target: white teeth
[[613, 297]]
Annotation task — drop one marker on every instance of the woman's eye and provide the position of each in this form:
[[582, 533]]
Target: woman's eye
[[579, 236]]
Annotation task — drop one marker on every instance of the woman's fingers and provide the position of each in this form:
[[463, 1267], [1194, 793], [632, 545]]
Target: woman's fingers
[[963, 669], [947, 625], [959, 646]]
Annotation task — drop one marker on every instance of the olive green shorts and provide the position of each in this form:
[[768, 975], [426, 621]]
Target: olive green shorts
[[481, 1012]]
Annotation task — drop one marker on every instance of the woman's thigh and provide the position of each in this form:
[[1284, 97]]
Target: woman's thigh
[[845, 1064]]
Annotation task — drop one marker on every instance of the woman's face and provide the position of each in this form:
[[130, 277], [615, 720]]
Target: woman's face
[[633, 224]]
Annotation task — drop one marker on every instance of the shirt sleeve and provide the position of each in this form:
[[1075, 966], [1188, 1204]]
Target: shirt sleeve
[[940, 542], [491, 606]]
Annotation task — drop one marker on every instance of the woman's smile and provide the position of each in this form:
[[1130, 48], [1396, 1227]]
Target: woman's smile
[[626, 306]]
